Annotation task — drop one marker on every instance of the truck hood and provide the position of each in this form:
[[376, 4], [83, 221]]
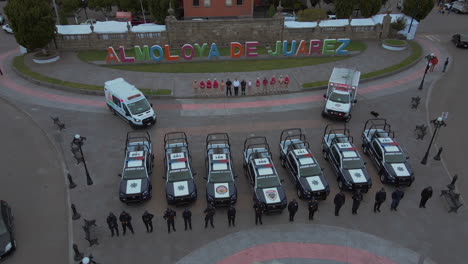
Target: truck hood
[[337, 106], [220, 190], [134, 186]]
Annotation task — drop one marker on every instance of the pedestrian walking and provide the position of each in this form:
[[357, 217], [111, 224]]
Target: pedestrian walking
[[445, 64], [265, 86], [397, 195], [169, 216], [215, 87], [187, 215], [293, 206], [286, 83], [209, 214], [126, 221], [231, 214], [434, 62], [249, 87], [236, 87], [273, 84], [222, 85], [148, 221], [195, 86], [380, 197], [202, 88], [339, 201], [112, 223], [228, 87], [313, 207], [243, 85], [425, 195], [208, 87], [258, 208], [257, 86], [357, 198]]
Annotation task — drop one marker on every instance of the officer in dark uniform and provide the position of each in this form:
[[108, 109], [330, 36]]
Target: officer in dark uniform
[[148, 221], [425, 195], [380, 197], [259, 208], [313, 207], [293, 206], [209, 214], [231, 214], [339, 201], [126, 221], [112, 223], [187, 215], [169, 216], [397, 195], [357, 198]]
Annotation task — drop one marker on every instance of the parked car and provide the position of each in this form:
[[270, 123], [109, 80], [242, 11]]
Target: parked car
[[460, 7], [460, 40], [7, 230], [289, 16], [7, 28]]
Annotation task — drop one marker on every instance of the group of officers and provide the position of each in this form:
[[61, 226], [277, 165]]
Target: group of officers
[[259, 209]]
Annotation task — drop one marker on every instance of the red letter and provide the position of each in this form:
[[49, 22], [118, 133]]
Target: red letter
[[167, 54], [237, 45], [302, 48], [111, 55]]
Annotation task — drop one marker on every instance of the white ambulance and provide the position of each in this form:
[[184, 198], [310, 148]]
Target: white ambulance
[[129, 103], [341, 93]]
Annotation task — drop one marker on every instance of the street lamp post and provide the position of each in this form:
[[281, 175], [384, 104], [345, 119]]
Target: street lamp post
[[84, 4], [143, 11], [79, 141], [428, 57], [438, 123]]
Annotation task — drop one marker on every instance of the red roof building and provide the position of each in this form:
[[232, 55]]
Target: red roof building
[[218, 8]]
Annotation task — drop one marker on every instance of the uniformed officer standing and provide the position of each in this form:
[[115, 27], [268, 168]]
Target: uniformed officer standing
[[126, 221], [293, 206], [148, 221], [169, 216], [380, 197], [425, 195], [357, 198], [339, 201], [313, 207], [259, 208], [187, 215], [112, 223], [231, 214], [397, 195], [209, 214]]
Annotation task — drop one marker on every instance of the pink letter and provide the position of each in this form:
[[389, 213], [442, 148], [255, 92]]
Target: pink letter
[[184, 54], [251, 48], [123, 58], [315, 45]]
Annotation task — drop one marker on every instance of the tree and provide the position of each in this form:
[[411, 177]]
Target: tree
[[370, 7], [418, 9], [312, 14], [103, 6], [129, 5], [158, 9], [32, 21], [344, 8], [271, 11]]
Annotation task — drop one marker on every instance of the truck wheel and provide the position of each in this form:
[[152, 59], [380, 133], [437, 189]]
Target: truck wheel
[[348, 118], [382, 178], [299, 193], [325, 156], [283, 162], [365, 150]]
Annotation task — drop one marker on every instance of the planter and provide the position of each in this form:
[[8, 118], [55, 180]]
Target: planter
[[39, 58], [394, 44]]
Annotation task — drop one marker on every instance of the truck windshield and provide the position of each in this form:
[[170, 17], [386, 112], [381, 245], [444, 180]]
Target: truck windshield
[[395, 158], [134, 173], [139, 107], [179, 175], [351, 164], [221, 176], [310, 171], [339, 98], [268, 182]]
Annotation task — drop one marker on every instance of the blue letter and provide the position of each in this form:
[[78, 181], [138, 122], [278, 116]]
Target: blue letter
[[344, 43], [213, 51], [159, 49], [285, 48]]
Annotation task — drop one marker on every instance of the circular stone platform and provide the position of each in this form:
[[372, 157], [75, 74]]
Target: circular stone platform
[[301, 244]]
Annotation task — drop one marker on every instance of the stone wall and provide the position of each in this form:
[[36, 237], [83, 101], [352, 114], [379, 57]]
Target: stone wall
[[221, 32]]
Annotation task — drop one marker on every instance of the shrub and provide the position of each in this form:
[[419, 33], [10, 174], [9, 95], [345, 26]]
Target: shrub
[[399, 24], [311, 14]]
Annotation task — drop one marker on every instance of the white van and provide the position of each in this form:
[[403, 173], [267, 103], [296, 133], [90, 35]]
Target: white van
[[129, 103], [341, 93]]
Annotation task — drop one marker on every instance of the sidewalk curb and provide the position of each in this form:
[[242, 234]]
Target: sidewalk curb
[[78, 91]]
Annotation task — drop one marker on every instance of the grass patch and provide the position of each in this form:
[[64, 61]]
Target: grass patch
[[395, 42], [18, 63], [100, 55], [416, 52], [228, 66]]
